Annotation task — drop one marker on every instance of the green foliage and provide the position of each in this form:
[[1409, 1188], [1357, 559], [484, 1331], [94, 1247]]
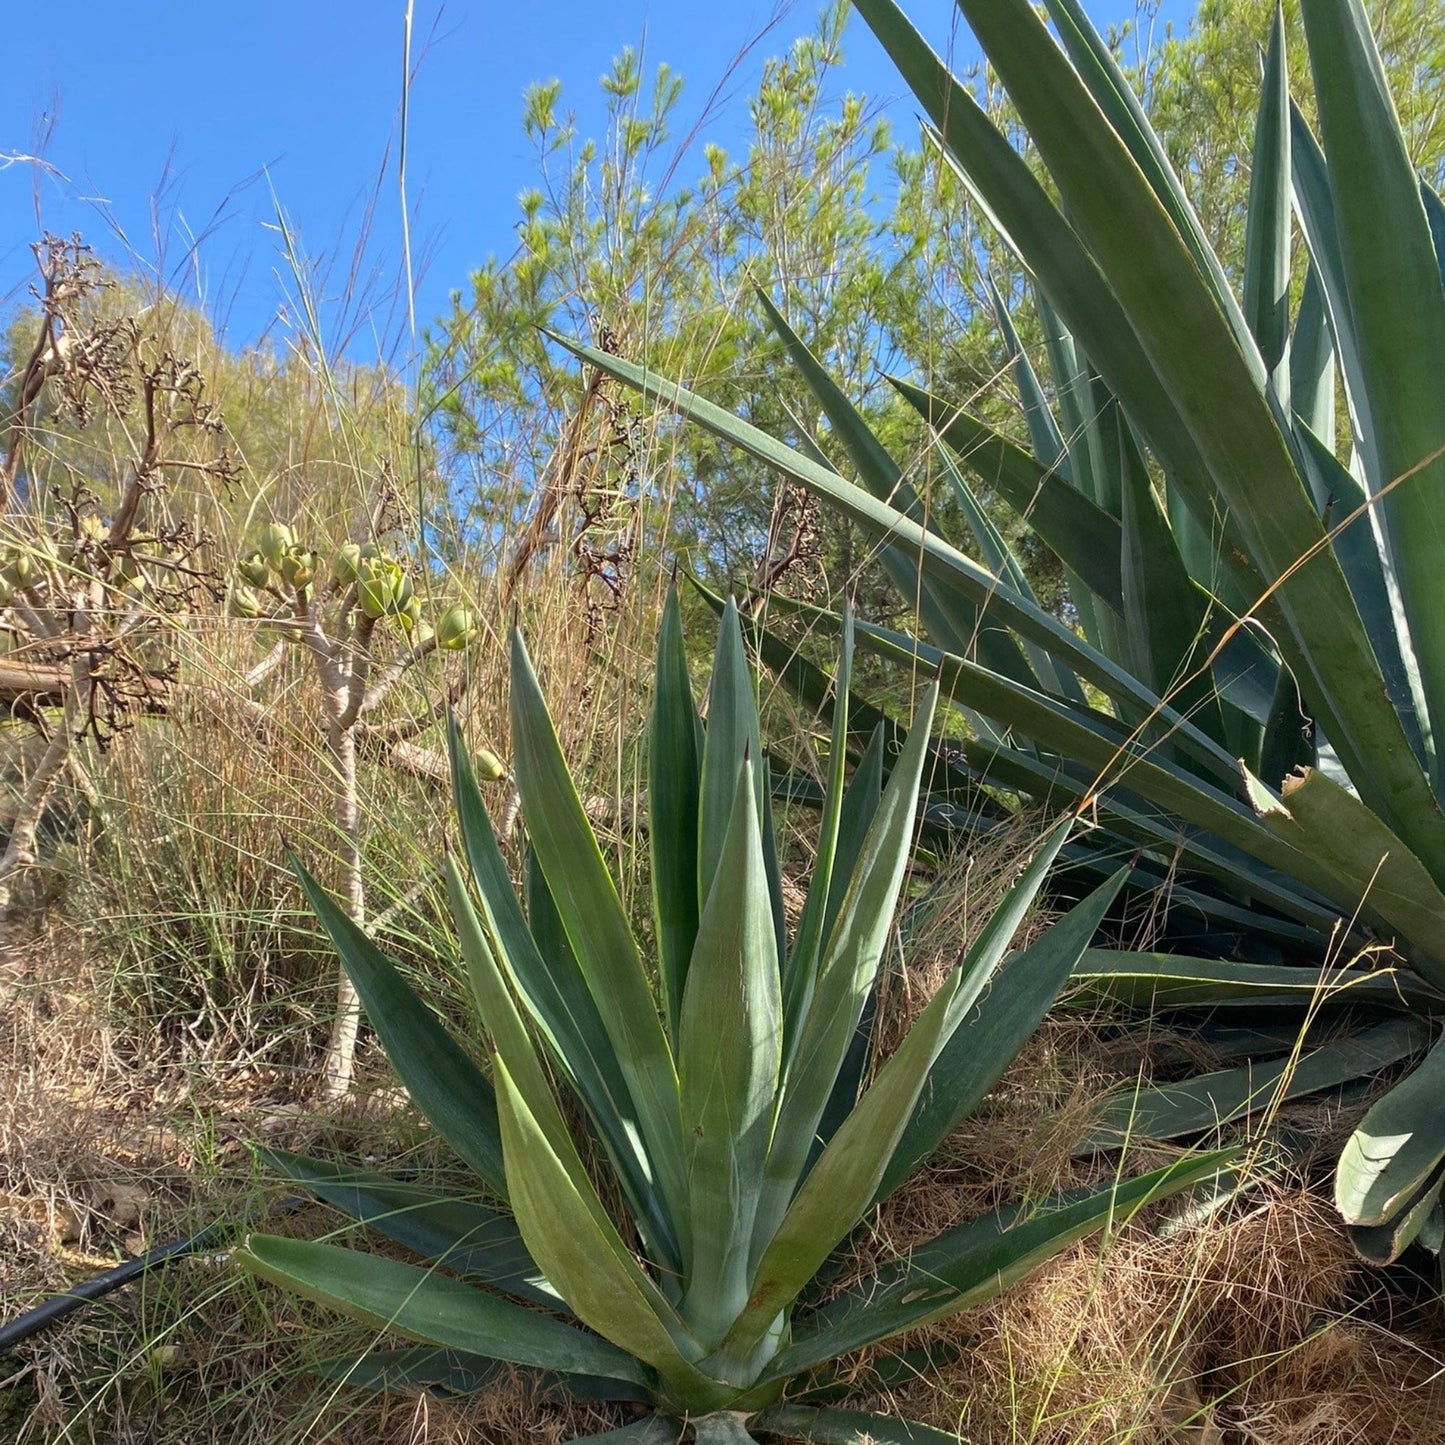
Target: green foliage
[[739, 1138], [1268, 644]]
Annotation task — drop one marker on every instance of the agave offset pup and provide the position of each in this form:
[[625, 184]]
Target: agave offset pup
[[725, 1086]]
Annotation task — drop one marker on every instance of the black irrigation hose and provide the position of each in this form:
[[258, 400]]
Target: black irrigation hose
[[51, 1311]]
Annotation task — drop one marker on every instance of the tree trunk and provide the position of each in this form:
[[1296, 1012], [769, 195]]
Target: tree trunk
[[346, 814]]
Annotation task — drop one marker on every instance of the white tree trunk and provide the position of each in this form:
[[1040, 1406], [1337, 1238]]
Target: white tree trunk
[[346, 813]]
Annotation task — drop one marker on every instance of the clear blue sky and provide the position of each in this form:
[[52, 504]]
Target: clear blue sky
[[165, 121]]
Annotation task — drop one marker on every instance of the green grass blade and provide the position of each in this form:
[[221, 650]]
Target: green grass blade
[[445, 1084], [1399, 1144], [674, 773], [429, 1306], [598, 930]]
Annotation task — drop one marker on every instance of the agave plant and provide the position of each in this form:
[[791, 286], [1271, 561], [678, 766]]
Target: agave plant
[[737, 1139], [1255, 692]]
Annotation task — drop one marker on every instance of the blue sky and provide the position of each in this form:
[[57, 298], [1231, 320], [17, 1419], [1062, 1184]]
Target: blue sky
[[164, 122]]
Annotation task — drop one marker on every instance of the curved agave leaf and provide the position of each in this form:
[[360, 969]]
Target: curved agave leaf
[[1169, 980], [975, 1262], [1392, 277], [434, 1307], [1002, 1021], [467, 1238], [446, 1085], [730, 1052], [674, 769], [1399, 1144], [840, 1186], [581, 1252], [451, 1372], [598, 930], [543, 970], [845, 979], [1208, 1101]]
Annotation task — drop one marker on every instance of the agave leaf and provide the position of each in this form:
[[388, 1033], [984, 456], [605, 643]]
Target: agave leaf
[[1210, 378], [1312, 360], [1340, 497], [730, 1052], [673, 776], [732, 735], [1202, 1104], [1323, 818], [468, 1238], [974, 1263], [802, 967], [545, 974], [580, 1250], [989, 1039], [429, 1306], [598, 930], [1399, 1144], [935, 556], [446, 1085], [1067, 276], [1382, 1244], [950, 616], [840, 1186], [848, 1427], [1392, 277], [1166, 980], [1267, 228], [1165, 616], [1100, 71], [1288, 741], [451, 1372], [1084, 536], [850, 966]]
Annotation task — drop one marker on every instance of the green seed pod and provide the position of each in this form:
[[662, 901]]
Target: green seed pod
[[20, 570], [253, 570], [243, 602], [375, 590], [345, 564], [410, 615], [298, 567], [488, 766], [276, 539], [404, 593], [455, 628]]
